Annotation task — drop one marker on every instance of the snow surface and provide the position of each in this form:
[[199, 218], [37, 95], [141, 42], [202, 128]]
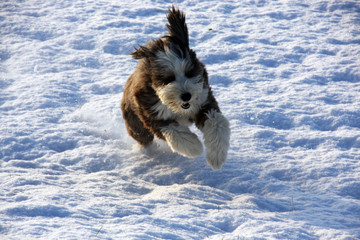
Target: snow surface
[[285, 73]]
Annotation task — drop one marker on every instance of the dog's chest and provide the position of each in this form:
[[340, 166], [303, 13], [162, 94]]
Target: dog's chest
[[164, 113]]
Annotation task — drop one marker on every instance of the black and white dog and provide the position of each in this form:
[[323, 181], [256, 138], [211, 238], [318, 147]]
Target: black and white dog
[[169, 91]]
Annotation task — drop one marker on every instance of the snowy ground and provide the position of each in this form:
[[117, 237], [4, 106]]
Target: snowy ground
[[285, 73]]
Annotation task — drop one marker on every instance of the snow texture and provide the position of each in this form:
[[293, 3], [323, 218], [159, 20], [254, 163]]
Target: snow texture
[[285, 73]]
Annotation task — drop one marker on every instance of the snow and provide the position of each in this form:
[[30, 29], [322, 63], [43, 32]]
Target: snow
[[285, 73]]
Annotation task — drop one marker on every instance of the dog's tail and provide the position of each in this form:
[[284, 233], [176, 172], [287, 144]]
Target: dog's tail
[[178, 30]]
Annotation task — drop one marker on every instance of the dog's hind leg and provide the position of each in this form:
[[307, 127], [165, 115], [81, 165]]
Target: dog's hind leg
[[136, 128]]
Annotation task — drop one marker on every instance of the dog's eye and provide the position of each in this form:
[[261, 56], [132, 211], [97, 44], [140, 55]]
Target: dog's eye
[[191, 73], [169, 79]]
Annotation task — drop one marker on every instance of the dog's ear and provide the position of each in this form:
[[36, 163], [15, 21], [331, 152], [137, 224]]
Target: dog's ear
[[141, 52], [178, 30]]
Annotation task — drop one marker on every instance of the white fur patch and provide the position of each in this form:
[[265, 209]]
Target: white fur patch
[[216, 132], [163, 112], [182, 140]]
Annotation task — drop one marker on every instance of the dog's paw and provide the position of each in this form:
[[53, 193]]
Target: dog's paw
[[216, 132], [182, 140]]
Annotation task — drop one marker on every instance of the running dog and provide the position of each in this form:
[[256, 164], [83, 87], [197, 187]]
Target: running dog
[[169, 91]]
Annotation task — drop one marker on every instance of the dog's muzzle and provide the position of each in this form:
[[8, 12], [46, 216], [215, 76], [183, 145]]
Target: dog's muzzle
[[185, 105], [185, 97]]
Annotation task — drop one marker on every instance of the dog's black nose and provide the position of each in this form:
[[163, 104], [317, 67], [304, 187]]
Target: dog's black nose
[[185, 96]]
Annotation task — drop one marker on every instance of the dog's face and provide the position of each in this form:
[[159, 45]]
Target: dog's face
[[177, 76], [179, 80]]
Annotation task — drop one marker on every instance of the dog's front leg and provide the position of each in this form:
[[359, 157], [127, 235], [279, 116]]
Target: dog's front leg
[[179, 138], [216, 131], [182, 140]]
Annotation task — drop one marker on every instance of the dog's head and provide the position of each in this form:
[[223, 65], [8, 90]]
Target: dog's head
[[177, 76]]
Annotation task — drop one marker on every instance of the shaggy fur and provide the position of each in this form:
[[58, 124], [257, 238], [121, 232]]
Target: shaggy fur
[[169, 91]]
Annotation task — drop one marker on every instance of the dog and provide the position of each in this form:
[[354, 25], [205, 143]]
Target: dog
[[169, 91]]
